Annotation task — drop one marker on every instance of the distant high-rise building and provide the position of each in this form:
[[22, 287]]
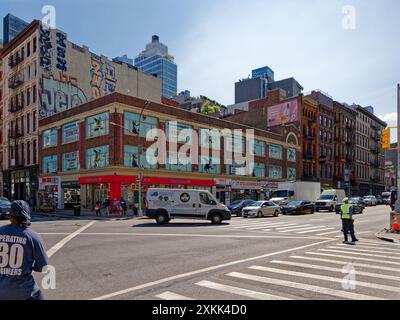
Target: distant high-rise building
[[264, 72], [155, 60], [250, 89], [124, 59], [290, 85], [12, 25]]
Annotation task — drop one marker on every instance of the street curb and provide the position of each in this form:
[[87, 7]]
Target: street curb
[[386, 239]]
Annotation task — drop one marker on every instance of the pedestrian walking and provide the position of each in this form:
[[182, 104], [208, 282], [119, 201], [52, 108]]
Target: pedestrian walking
[[123, 205], [97, 208], [23, 252], [106, 205], [135, 210], [347, 222]]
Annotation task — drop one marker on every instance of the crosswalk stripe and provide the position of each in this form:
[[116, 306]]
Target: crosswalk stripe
[[298, 226], [304, 228], [267, 226], [359, 254], [303, 286], [326, 233], [356, 264], [368, 247], [317, 230], [258, 225], [351, 257], [168, 295], [255, 221], [240, 291], [325, 278], [340, 270], [355, 248]]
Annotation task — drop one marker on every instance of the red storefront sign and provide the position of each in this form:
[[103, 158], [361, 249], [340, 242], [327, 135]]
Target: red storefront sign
[[146, 180]]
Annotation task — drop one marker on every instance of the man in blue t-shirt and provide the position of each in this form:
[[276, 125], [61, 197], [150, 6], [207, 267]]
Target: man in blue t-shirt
[[21, 252]]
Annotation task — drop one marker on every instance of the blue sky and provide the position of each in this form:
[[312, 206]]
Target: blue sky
[[217, 42]]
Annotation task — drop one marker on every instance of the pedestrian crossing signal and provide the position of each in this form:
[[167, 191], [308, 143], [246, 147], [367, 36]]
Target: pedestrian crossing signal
[[386, 139]]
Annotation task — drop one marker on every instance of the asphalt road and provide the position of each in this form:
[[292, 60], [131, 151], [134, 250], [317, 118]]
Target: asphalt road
[[285, 257]]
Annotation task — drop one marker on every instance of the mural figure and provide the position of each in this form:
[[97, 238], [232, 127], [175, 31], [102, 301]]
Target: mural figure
[[97, 158], [134, 161], [97, 77], [97, 124], [209, 166], [110, 80], [135, 127]]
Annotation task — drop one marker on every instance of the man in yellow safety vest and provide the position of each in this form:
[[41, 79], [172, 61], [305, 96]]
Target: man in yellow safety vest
[[347, 222]]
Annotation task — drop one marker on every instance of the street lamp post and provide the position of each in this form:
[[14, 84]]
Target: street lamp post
[[397, 206]]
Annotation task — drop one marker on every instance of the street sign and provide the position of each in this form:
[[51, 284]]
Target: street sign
[[134, 187]]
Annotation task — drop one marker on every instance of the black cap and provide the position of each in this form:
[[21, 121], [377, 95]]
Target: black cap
[[20, 209]]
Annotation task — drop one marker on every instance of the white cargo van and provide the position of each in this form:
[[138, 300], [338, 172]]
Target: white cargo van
[[164, 204], [329, 199]]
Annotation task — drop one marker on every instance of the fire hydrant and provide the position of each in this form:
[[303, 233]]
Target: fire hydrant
[[396, 223]]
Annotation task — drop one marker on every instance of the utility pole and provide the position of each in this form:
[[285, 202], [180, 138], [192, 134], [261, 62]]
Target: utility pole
[[397, 206]]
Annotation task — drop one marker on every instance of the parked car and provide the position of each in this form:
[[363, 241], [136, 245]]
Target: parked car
[[358, 200], [370, 201], [386, 197], [298, 206], [5, 207], [379, 200], [280, 201], [262, 208], [329, 199], [358, 206], [237, 206]]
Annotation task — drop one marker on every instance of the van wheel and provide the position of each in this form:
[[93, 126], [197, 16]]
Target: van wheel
[[216, 218], [331, 209], [317, 210], [276, 213], [161, 218], [259, 214]]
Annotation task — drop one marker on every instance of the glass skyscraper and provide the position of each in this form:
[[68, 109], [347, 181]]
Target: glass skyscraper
[[12, 25], [155, 60]]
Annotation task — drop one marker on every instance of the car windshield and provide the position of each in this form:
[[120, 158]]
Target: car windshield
[[257, 204], [327, 197], [294, 203]]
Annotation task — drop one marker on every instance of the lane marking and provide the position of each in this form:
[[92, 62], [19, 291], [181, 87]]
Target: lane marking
[[317, 230], [240, 291], [356, 264], [261, 225], [356, 249], [268, 226], [362, 246], [304, 228], [352, 258], [359, 254], [168, 295], [339, 270], [68, 238], [326, 233], [303, 286], [298, 226], [325, 278], [203, 270]]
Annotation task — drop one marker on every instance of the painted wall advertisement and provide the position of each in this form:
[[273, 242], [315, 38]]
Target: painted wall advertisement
[[283, 113]]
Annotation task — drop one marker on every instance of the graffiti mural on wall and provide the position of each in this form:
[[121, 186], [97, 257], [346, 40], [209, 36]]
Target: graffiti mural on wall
[[101, 72], [45, 48], [96, 78], [60, 94], [61, 51]]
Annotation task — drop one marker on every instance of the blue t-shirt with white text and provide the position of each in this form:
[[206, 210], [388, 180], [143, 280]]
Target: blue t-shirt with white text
[[21, 252]]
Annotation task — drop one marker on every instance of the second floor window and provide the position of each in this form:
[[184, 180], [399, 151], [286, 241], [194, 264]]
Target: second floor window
[[70, 161], [70, 132], [97, 157], [50, 164]]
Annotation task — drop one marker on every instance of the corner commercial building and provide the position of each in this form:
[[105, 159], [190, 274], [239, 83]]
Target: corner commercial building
[[43, 74]]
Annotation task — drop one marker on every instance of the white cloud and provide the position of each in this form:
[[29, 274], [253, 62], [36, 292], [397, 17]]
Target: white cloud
[[389, 117]]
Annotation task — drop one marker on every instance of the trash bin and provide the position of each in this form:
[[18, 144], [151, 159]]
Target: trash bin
[[77, 211]]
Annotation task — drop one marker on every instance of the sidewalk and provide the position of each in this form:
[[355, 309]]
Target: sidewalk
[[387, 235], [86, 215]]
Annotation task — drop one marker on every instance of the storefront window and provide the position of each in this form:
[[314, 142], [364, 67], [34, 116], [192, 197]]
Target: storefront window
[[132, 123], [50, 164], [259, 170], [209, 165], [291, 154], [174, 132], [291, 174], [132, 158], [259, 148], [70, 132], [97, 157], [49, 138], [97, 125], [173, 163], [275, 172], [275, 151], [70, 161]]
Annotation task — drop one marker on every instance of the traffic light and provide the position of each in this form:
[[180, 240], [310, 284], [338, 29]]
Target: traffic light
[[386, 139]]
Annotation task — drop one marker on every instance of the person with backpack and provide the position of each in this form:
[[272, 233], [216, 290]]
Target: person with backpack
[[22, 252]]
